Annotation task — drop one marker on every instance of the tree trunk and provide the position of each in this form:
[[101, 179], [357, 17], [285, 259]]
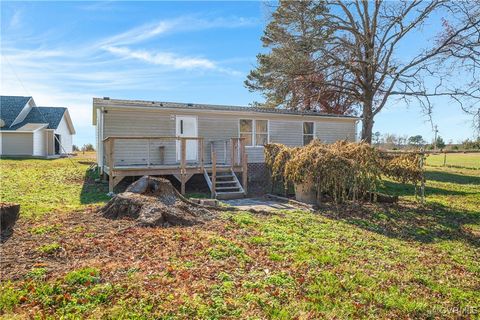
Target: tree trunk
[[367, 128], [367, 122]]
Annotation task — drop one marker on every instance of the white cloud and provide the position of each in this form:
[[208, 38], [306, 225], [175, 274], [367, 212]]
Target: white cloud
[[16, 20], [181, 24], [139, 34], [62, 75], [163, 58], [97, 5]]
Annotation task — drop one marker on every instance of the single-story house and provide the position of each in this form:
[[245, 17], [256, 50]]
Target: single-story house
[[182, 139], [30, 131]]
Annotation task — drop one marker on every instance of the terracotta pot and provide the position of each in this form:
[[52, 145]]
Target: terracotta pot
[[306, 192]]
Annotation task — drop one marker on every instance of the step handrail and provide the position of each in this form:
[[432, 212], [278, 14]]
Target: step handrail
[[237, 182], [207, 178]]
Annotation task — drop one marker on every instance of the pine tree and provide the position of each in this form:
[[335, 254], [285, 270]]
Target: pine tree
[[287, 75]]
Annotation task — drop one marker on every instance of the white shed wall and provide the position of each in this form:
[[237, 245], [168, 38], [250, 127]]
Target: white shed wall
[[65, 136], [39, 143]]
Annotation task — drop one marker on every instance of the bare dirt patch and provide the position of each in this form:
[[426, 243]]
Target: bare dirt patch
[[115, 246], [73, 232]]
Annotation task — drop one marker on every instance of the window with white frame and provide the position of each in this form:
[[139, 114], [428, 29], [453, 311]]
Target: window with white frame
[[308, 133], [255, 132]]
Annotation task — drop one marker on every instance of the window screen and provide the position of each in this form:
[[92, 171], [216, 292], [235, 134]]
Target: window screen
[[308, 134], [261, 132], [246, 131]]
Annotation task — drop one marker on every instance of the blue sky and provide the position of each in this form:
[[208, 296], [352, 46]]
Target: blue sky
[[65, 53]]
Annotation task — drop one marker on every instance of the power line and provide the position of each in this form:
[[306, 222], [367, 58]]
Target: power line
[[38, 109], [16, 76]]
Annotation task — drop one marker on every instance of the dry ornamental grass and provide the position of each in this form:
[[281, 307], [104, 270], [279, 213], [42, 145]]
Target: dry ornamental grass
[[343, 170]]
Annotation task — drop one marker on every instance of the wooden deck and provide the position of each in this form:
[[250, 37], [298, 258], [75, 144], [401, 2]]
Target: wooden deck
[[183, 170]]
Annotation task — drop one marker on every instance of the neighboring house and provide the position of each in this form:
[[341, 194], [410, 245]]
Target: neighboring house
[[28, 130], [145, 137]]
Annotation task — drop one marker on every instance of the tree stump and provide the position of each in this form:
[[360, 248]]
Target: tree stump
[[9, 213], [155, 202]]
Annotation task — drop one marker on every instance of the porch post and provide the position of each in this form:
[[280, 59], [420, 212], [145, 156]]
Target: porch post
[[244, 159], [183, 164], [214, 172], [233, 159], [110, 147], [201, 154]]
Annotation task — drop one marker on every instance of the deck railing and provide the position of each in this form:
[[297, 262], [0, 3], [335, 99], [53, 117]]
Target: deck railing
[[168, 152], [150, 151]]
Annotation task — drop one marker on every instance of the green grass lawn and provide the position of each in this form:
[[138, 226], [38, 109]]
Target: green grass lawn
[[375, 261], [49, 186], [460, 160]]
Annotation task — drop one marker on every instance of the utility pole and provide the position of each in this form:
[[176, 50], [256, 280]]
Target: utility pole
[[435, 130], [478, 124]]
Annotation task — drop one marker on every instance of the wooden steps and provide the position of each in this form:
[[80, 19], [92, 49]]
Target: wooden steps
[[224, 185]]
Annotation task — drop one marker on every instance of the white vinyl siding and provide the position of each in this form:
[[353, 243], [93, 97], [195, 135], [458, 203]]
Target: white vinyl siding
[[212, 127], [286, 132], [332, 131], [39, 143], [65, 136], [131, 152], [99, 136], [255, 155], [216, 131]]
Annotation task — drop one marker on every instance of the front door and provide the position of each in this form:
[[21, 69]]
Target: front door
[[186, 126]]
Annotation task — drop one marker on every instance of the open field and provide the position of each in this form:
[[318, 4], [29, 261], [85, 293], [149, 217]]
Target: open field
[[376, 261], [459, 160]]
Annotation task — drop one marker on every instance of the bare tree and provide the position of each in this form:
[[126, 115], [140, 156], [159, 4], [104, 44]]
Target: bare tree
[[366, 43]]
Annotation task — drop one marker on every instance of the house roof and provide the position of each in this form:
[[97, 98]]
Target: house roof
[[105, 102], [10, 107], [50, 115]]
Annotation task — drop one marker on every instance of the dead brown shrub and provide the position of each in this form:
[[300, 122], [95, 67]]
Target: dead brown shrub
[[343, 170]]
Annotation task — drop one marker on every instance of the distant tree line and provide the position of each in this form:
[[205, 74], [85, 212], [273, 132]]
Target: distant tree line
[[88, 147], [393, 141]]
